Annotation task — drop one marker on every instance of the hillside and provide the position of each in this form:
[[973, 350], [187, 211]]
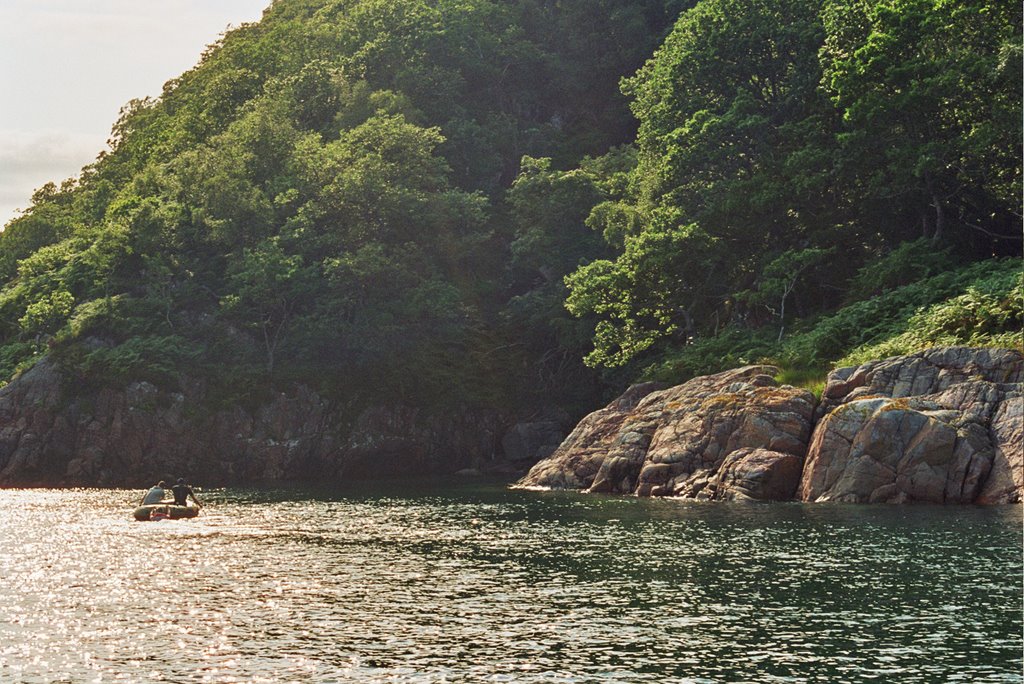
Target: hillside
[[520, 207], [322, 198]]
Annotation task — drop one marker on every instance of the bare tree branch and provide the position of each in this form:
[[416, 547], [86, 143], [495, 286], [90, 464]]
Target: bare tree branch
[[995, 235]]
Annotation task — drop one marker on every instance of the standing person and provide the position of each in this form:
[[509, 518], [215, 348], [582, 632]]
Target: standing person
[[181, 493], [155, 494]]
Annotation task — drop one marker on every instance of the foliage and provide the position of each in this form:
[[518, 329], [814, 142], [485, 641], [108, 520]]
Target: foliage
[[16, 357], [888, 315], [549, 210], [979, 305], [268, 286], [156, 359], [442, 203], [906, 264], [988, 314], [731, 348], [729, 109], [811, 379], [46, 315], [321, 196], [791, 156], [927, 97]]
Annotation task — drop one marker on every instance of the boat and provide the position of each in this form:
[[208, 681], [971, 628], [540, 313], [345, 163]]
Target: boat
[[161, 511]]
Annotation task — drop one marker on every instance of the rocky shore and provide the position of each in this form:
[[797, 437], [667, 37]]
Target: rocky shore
[[941, 426]]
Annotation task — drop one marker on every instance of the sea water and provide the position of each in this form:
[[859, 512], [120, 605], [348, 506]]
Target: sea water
[[434, 582]]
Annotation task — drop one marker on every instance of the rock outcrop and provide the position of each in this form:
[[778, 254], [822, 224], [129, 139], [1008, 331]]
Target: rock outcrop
[[396, 441], [529, 442], [734, 435], [595, 440], [141, 433], [940, 426]]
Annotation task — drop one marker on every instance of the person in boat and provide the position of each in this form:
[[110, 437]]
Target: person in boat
[[156, 494], [181, 493]]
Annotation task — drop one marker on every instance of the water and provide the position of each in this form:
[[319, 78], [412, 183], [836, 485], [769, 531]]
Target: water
[[474, 583]]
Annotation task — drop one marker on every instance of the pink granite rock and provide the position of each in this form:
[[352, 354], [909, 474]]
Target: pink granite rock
[[735, 434], [940, 426]]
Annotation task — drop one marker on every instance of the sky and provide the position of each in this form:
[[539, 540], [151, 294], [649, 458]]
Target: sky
[[68, 66]]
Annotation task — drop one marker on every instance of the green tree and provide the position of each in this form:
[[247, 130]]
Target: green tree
[[45, 316], [780, 278], [734, 168], [268, 289], [930, 94], [548, 212]]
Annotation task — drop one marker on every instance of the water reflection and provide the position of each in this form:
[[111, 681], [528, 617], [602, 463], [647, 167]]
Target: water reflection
[[427, 584]]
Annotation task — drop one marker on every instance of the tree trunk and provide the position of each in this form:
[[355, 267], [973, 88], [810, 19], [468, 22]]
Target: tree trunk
[[940, 218], [940, 209], [269, 346]]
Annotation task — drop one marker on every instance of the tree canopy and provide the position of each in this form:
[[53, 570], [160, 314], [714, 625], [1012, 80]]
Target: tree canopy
[[508, 204], [784, 145]]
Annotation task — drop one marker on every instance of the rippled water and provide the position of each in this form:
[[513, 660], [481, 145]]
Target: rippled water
[[475, 583]]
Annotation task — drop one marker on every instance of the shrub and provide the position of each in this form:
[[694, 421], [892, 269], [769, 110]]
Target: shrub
[[872, 321], [160, 360], [979, 305], [908, 263], [989, 314]]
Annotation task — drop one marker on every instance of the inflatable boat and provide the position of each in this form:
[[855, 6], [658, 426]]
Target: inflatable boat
[[165, 511]]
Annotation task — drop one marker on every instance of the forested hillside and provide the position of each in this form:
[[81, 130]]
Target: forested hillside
[[518, 203], [797, 156]]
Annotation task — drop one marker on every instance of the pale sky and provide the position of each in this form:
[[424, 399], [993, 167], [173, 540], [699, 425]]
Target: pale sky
[[67, 67]]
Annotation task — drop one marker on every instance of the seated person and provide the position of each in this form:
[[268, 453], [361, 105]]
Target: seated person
[[156, 494]]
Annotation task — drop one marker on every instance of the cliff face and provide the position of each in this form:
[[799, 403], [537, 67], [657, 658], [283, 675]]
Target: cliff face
[[941, 426], [141, 433]]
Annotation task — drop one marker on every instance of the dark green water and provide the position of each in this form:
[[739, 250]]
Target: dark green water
[[435, 583]]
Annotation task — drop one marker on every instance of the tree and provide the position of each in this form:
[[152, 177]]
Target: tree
[[646, 294], [268, 288], [45, 316], [930, 94], [734, 166], [780, 277], [549, 209]]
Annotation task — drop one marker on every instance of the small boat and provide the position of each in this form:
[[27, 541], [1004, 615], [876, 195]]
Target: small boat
[[164, 512]]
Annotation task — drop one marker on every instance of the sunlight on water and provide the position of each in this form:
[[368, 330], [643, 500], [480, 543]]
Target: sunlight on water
[[476, 583]]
